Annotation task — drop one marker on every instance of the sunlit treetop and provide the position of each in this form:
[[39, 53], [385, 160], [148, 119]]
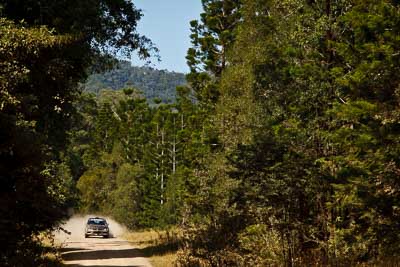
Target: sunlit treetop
[[105, 26]]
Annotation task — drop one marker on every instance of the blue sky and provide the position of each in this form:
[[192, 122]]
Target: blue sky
[[166, 23]]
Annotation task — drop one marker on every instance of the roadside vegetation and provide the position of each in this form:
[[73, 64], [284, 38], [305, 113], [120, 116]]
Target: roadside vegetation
[[46, 50], [161, 247]]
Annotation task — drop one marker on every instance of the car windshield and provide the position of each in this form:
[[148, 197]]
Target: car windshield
[[97, 221]]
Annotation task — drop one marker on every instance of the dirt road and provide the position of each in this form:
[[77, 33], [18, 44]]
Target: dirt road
[[97, 251]]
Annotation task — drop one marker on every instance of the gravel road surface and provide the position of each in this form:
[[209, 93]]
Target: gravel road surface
[[97, 251]]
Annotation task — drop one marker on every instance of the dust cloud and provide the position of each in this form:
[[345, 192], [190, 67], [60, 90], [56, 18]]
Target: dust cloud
[[74, 228], [76, 250]]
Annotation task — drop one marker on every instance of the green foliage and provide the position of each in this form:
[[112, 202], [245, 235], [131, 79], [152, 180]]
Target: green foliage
[[267, 243], [93, 185], [134, 161], [33, 195], [211, 38], [126, 198], [288, 156], [101, 26], [46, 48], [307, 116]]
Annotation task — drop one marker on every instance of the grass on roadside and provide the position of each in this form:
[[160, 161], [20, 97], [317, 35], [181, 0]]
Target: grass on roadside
[[159, 246], [51, 256], [37, 251]]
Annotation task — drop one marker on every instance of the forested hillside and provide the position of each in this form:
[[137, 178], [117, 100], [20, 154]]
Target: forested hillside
[[153, 83]]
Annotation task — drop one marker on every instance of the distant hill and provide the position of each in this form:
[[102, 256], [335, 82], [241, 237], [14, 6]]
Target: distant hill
[[153, 83]]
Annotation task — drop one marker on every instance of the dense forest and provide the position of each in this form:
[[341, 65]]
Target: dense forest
[[46, 50], [155, 84], [282, 149]]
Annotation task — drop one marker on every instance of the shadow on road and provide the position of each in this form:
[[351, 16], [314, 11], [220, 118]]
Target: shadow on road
[[78, 265], [65, 250], [100, 254], [73, 254]]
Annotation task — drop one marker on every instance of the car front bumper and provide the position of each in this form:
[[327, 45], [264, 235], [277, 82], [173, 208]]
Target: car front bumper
[[96, 232]]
